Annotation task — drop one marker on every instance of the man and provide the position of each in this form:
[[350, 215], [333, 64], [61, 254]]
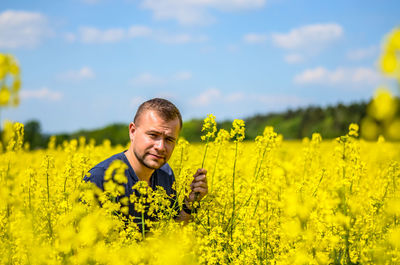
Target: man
[[153, 135]]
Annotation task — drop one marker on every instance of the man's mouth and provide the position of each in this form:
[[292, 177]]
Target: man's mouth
[[156, 156]]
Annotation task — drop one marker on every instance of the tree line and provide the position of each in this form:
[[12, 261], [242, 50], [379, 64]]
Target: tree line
[[330, 122]]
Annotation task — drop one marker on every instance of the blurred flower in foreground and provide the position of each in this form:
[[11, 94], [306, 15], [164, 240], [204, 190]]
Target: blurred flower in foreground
[[384, 106], [10, 81], [389, 61], [382, 117], [383, 112]]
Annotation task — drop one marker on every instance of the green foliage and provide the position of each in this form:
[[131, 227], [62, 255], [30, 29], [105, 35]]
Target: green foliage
[[331, 121], [191, 130], [117, 133], [33, 134]]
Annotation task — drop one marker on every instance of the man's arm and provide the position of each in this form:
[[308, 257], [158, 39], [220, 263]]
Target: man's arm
[[199, 189]]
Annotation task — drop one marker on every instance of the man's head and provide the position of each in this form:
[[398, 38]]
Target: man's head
[[153, 133], [164, 108]]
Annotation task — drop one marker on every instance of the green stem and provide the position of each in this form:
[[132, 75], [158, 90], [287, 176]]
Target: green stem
[[197, 194], [215, 166], [261, 162], [180, 164], [65, 190], [48, 199], [394, 180], [233, 191], [143, 226], [316, 189], [49, 224], [212, 182], [47, 180], [1, 129], [29, 192], [204, 154]]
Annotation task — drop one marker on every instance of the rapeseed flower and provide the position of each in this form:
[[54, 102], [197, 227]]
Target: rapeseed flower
[[209, 127], [238, 130]]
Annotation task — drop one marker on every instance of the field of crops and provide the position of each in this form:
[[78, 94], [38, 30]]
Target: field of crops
[[270, 202]]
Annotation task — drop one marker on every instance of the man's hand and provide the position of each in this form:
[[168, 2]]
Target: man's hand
[[199, 186], [199, 189]]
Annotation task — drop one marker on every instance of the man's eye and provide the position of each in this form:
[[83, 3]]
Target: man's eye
[[170, 140]]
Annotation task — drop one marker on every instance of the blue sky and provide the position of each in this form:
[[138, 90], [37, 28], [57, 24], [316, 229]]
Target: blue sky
[[89, 63]]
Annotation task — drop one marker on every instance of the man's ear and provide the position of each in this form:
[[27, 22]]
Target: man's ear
[[132, 130]]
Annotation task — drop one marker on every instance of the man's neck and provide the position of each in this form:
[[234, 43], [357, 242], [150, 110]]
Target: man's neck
[[143, 173]]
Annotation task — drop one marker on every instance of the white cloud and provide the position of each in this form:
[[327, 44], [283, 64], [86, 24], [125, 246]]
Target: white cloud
[[307, 40], [255, 38], [139, 31], [316, 75], [22, 29], [277, 101], [309, 37], [167, 95], [147, 79], [136, 101], [189, 12], [215, 96], [339, 76], [184, 75], [362, 53], [91, 2], [235, 97], [294, 58], [95, 35], [206, 97], [365, 75], [70, 37], [208, 49], [83, 73], [92, 35], [41, 94], [179, 38], [232, 48]]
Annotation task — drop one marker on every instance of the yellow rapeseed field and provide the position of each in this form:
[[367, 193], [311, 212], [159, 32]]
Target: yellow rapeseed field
[[270, 202]]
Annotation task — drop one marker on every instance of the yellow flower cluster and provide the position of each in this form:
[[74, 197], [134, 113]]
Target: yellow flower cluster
[[269, 202], [209, 127], [9, 89], [238, 130]]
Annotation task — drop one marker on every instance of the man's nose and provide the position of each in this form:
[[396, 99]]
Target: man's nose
[[160, 144]]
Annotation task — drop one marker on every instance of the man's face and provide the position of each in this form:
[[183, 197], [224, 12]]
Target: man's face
[[153, 139]]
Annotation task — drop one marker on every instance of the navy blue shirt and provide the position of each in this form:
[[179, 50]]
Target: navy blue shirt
[[164, 177]]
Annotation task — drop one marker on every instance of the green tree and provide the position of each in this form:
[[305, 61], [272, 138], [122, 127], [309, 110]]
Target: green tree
[[33, 134]]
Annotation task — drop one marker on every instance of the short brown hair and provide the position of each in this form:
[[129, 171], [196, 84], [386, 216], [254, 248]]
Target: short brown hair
[[165, 108]]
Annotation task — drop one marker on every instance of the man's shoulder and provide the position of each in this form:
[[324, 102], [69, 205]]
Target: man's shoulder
[[103, 165], [98, 170]]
